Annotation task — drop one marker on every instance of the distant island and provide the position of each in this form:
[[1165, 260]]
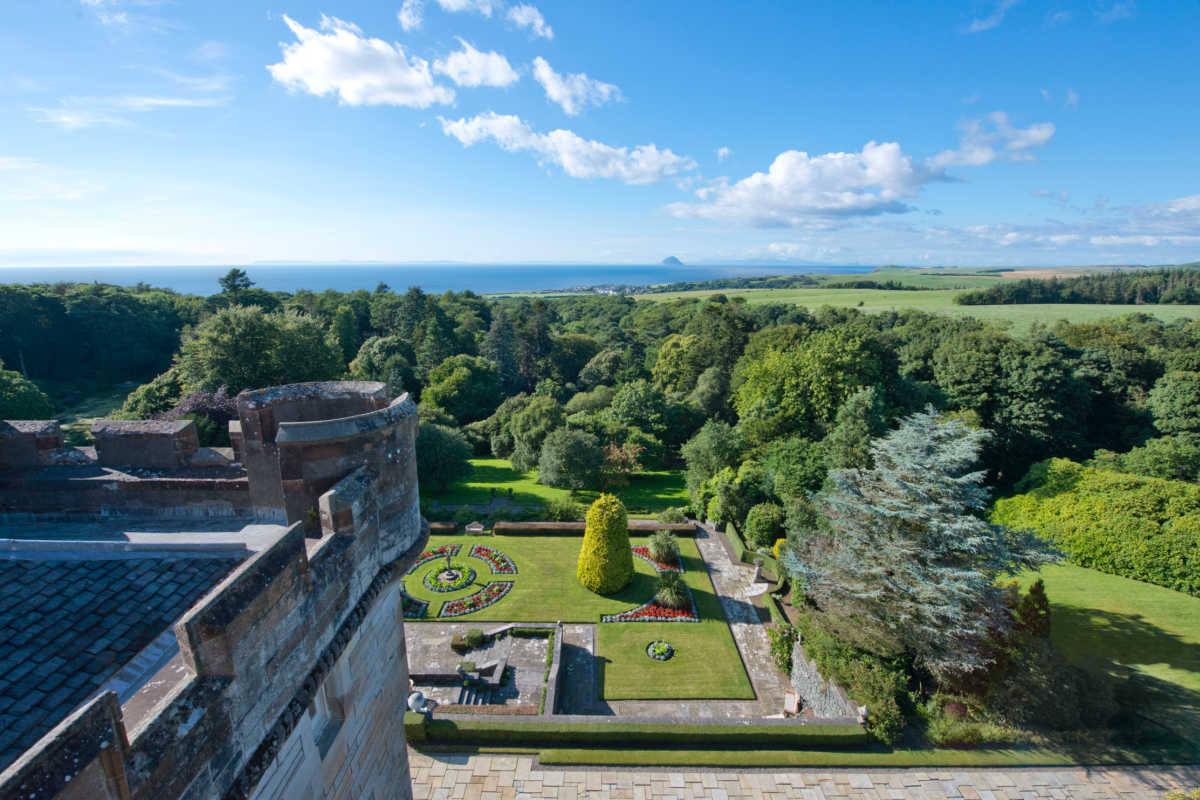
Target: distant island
[[672, 261]]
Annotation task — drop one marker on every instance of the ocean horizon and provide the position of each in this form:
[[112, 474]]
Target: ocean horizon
[[433, 278]]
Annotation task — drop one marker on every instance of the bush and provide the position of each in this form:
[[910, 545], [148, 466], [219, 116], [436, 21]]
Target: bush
[[563, 511], [475, 638], [443, 456], [1033, 610], [672, 591], [764, 525], [663, 547], [1136, 527], [605, 560], [672, 515], [777, 548], [783, 641], [1042, 690], [869, 680]]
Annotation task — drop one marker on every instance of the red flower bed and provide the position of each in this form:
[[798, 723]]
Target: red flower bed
[[435, 553], [643, 553], [488, 595], [499, 562], [652, 612]]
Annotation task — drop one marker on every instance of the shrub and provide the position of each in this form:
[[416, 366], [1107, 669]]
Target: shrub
[[663, 547], [563, 511], [672, 591], [783, 640], [1034, 610], [1042, 690], [605, 561], [777, 548], [764, 524], [869, 680], [475, 638], [1136, 527], [671, 515]]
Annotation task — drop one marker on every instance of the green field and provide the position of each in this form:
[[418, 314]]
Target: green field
[[1146, 636], [648, 493], [706, 664], [940, 301]]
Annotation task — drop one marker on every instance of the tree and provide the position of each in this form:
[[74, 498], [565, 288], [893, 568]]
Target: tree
[[21, 398], [1175, 402], [603, 369], [605, 559], [859, 420], [245, 348], [764, 525], [717, 445], [570, 460], [621, 462], [797, 390], [499, 347], [529, 428], [1033, 611], [443, 456], [468, 387], [388, 359], [1172, 457], [639, 404], [905, 564], [711, 394], [235, 282], [345, 330], [794, 467]]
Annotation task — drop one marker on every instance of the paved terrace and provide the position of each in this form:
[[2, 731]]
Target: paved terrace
[[452, 776]]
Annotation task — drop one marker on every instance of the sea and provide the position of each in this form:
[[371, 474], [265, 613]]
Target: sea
[[432, 278]]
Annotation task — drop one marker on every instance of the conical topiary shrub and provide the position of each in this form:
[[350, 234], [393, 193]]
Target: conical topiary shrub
[[605, 560]]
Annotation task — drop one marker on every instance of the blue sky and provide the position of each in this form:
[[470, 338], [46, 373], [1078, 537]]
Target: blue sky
[[990, 132]]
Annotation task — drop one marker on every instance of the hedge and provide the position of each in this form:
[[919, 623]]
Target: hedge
[[1147, 529], [632, 734], [636, 526], [747, 554]]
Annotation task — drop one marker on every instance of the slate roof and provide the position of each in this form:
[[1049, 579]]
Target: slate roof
[[67, 626]]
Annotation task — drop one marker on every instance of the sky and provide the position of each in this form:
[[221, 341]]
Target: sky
[[981, 132]]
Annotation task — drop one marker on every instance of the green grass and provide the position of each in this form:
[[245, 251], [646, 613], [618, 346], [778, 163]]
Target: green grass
[[648, 493], [940, 301], [76, 420], [1145, 635], [706, 664]]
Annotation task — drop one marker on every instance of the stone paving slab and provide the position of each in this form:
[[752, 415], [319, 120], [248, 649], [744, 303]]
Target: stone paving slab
[[454, 775]]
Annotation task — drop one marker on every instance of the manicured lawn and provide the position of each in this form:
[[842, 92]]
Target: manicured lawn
[[545, 589], [941, 301], [649, 493], [1146, 636]]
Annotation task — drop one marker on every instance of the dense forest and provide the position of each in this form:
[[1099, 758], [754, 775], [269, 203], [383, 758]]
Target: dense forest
[[1132, 287]]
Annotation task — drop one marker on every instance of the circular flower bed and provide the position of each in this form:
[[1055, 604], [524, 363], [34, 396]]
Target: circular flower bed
[[430, 555], [413, 608], [449, 579], [660, 650], [500, 563]]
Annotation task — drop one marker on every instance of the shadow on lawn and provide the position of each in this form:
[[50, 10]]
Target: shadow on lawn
[[1157, 718]]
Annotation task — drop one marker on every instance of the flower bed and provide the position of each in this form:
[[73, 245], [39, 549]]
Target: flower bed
[[488, 595], [499, 562], [643, 553], [660, 650], [465, 577], [653, 612], [435, 553], [413, 608]]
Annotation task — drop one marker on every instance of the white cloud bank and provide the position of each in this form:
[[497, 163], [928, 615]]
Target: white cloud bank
[[471, 67], [578, 157], [338, 59], [484, 7], [573, 92], [799, 189], [411, 15], [526, 16]]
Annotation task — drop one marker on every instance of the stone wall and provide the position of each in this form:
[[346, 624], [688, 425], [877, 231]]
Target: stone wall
[[28, 443], [294, 673], [824, 698], [153, 444]]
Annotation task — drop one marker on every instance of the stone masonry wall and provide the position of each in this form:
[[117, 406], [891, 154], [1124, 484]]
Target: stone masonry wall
[[824, 698]]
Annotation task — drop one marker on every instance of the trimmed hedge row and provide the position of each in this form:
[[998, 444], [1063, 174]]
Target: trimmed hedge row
[[1147, 529], [638, 526], [747, 555], [632, 734]]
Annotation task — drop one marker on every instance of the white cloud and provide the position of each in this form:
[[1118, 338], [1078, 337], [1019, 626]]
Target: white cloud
[[1117, 11], [484, 7], [723, 153], [1072, 100], [76, 113], [992, 20], [526, 16], [339, 59], [411, 14], [578, 157], [1046, 96], [197, 83], [797, 187], [994, 138], [573, 91], [211, 51], [1058, 18], [1062, 197], [471, 67]]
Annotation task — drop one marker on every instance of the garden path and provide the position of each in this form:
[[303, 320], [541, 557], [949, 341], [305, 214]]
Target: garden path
[[440, 776]]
